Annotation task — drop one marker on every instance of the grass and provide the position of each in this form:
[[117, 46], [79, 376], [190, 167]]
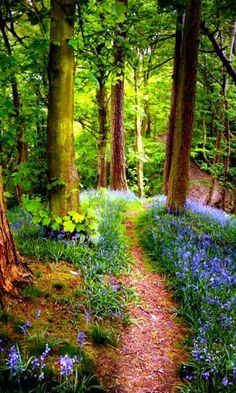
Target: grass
[[100, 335]]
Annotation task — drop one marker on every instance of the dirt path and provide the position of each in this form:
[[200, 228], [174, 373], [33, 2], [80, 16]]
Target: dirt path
[[150, 352]]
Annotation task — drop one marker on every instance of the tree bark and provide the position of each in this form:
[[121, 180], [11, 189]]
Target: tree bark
[[118, 166], [216, 160], [103, 131], [178, 181], [13, 270], [60, 139], [146, 126], [174, 95]]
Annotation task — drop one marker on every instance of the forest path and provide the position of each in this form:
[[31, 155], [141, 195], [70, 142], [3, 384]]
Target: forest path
[[151, 349]]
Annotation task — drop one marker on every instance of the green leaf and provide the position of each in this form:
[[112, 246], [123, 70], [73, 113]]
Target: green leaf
[[69, 226]]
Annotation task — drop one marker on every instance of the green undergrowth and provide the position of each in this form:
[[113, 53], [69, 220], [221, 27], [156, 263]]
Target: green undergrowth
[[99, 261], [197, 253], [77, 284]]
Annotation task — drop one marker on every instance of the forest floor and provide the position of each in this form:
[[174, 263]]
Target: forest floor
[[199, 186], [151, 349]]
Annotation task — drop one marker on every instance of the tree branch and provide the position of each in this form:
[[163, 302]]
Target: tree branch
[[220, 52]]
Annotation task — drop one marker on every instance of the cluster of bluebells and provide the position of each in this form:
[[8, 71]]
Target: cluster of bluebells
[[21, 369], [14, 362], [198, 251], [106, 298]]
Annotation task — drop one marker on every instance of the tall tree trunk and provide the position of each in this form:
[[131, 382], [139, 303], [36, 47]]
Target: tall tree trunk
[[103, 131], [226, 123], [178, 180], [138, 129], [64, 196], [226, 158], [13, 271], [174, 95], [118, 167], [21, 145]]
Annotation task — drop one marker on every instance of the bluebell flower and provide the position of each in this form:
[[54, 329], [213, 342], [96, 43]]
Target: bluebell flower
[[14, 361], [25, 327], [225, 381], [66, 364], [87, 315], [1, 348], [81, 338]]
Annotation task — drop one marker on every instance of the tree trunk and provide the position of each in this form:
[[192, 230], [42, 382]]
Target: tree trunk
[[118, 167], [21, 145], [178, 180], [103, 131], [146, 126], [226, 158], [174, 95], [13, 271], [138, 129], [64, 196], [216, 160]]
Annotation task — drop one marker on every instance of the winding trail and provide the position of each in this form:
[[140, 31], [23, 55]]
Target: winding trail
[[151, 349]]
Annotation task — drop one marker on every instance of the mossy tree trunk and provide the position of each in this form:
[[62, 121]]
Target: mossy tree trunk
[[103, 132], [174, 95], [64, 195], [118, 166], [179, 173], [21, 145], [13, 271]]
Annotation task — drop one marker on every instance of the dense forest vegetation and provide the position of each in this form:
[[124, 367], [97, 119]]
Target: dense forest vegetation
[[123, 97]]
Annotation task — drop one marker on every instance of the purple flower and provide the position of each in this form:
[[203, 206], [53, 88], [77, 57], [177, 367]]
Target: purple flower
[[38, 313], [66, 365], [24, 327], [39, 363], [88, 315], [1, 348], [206, 375], [14, 362], [45, 353], [81, 338], [225, 381]]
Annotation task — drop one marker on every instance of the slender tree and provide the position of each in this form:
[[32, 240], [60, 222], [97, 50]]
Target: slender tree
[[103, 131], [64, 195], [118, 169], [178, 182], [13, 270], [21, 145], [138, 128]]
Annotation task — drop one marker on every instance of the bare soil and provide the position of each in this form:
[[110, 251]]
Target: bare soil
[[199, 185]]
